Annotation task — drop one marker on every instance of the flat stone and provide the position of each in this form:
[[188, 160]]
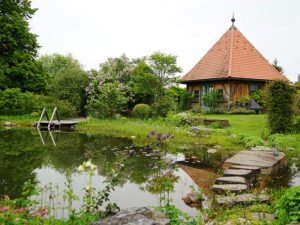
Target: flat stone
[[245, 167], [193, 199], [8, 124], [231, 180], [261, 215], [290, 148], [217, 146], [135, 216], [211, 151], [244, 198], [261, 148], [200, 130], [237, 172], [223, 188], [261, 159], [294, 159]]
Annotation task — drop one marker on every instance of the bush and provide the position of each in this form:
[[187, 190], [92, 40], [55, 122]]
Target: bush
[[216, 125], [185, 100], [65, 108], [258, 96], [240, 110], [212, 99], [253, 141], [287, 208], [15, 102], [196, 109], [297, 125], [239, 139], [34, 114], [282, 141], [141, 111], [161, 107], [221, 110], [279, 98]]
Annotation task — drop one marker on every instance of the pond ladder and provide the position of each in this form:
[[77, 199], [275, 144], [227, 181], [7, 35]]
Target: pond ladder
[[55, 111]]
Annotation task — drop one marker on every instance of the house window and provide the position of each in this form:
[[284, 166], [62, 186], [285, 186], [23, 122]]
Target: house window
[[206, 89], [254, 87], [196, 94], [220, 93]]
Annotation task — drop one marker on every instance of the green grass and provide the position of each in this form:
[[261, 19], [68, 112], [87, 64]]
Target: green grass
[[24, 120], [250, 125]]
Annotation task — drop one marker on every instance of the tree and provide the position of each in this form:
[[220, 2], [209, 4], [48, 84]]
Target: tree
[[280, 96], [147, 84], [165, 67], [18, 48], [298, 83], [108, 100], [277, 67], [212, 99]]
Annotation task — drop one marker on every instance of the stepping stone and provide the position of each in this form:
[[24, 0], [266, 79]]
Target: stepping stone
[[245, 167], [223, 188], [231, 180], [211, 151], [244, 198], [240, 173], [261, 215]]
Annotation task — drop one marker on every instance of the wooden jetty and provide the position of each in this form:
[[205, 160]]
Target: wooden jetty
[[55, 124]]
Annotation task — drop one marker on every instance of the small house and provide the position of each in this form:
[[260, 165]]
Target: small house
[[233, 67]]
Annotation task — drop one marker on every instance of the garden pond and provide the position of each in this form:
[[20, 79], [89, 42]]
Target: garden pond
[[51, 158]]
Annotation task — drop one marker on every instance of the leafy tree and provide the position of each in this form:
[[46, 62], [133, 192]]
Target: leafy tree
[[280, 96], [54, 62], [277, 67], [69, 81], [182, 97], [147, 84], [18, 48], [298, 83], [212, 99], [108, 100], [165, 67]]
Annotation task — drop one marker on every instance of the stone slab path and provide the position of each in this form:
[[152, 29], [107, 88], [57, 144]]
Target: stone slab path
[[231, 180]]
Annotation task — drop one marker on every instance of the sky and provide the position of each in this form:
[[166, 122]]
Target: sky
[[93, 30]]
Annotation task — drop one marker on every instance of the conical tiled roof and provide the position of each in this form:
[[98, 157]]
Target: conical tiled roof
[[232, 57]]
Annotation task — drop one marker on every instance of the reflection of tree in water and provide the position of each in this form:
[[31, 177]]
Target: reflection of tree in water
[[20, 155]]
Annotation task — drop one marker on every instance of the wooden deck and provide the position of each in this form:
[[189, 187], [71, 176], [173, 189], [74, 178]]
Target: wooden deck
[[57, 124]]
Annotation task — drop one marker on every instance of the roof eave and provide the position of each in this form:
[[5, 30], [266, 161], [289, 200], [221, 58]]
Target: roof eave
[[223, 79]]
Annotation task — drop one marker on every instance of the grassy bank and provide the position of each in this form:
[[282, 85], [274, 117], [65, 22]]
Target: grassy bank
[[24, 120]]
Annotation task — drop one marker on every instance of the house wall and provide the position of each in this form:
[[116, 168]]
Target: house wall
[[238, 89]]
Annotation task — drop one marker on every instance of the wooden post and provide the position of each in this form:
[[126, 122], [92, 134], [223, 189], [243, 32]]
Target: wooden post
[[41, 117], [229, 95], [54, 111]]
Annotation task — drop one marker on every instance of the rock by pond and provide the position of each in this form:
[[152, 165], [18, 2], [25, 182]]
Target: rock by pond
[[194, 199], [135, 216], [244, 198], [200, 130]]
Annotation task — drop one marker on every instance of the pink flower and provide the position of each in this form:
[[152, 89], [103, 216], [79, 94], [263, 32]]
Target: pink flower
[[44, 213], [6, 197], [4, 208], [169, 172], [33, 215]]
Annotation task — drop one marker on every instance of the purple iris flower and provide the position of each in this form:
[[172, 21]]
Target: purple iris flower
[[173, 136], [164, 137], [157, 144], [157, 138], [159, 134], [152, 133], [148, 135], [167, 135]]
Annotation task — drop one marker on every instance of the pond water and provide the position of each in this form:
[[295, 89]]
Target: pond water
[[27, 154]]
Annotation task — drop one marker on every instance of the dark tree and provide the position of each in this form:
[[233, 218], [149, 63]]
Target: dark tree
[[280, 97], [18, 48], [277, 67]]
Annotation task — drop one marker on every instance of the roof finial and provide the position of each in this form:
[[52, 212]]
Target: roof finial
[[233, 20]]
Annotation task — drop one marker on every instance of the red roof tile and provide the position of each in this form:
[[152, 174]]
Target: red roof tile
[[233, 56]]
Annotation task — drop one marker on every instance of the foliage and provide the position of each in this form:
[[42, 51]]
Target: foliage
[[239, 139], [141, 111], [34, 114], [240, 110], [282, 141], [216, 125], [108, 100], [65, 108], [186, 118], [147, 84], [164, 66], [181, 96], [18, 49], [277, 67], [287, 208], [212, 99], [161, 107], [297, 125], [253, 141], [244, 99], [258, 96], [14, 102], [298, 104], [221, 110], [196, 109], [280, 97], [69, 84], [298, 83]]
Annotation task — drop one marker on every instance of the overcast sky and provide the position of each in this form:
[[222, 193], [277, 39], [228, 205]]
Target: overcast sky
[[93, 30]]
